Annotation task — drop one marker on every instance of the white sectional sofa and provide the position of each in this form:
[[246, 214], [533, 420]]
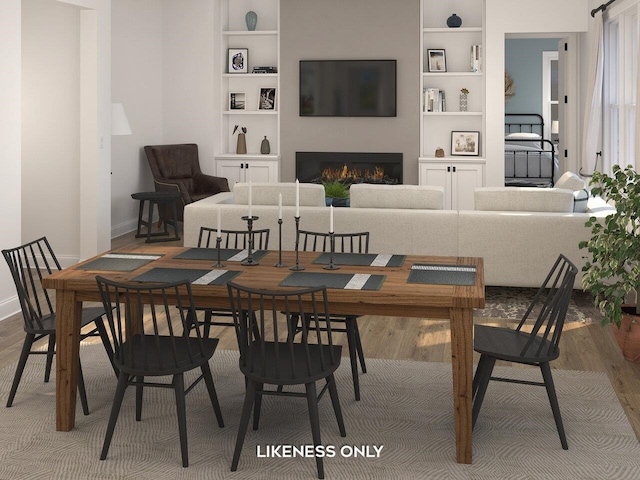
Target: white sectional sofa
[[518, 231]]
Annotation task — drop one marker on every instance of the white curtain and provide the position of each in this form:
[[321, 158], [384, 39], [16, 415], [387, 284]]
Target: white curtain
[[636, 132], [593, 110]]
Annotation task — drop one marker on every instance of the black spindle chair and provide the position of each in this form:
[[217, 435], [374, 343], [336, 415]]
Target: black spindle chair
[[533, 342], [262, 318], [154, 345], [29, 264]]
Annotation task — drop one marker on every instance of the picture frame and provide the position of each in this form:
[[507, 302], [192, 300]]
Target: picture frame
[[436, 60], [465, 143], [238, 60], [237, 101], [267, 98]]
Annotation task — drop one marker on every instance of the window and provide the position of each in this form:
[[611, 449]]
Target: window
[[619, 100]]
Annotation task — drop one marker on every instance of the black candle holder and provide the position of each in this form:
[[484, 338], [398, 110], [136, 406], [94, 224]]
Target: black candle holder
[[280, 264], [249, 260], [332, 244], [219, 264], [297, 266]]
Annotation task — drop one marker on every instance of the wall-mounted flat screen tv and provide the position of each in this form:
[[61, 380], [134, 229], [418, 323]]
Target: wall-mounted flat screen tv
[[348, 88]]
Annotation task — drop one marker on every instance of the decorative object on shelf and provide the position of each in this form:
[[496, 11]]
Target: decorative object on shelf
[[439, 152], [436, 60], [454, 21], [267, 100], [238, 60], [265, 147], [237, 101], [241, 147], [264, 70], [252, 20], [464, 93], [509, 87], [465, 143]]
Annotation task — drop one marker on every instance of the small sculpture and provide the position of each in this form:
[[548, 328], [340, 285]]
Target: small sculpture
[[439, 152]]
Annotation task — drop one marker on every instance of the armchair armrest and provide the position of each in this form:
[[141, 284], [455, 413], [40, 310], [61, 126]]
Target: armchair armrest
[[173, 185], [209, 184]]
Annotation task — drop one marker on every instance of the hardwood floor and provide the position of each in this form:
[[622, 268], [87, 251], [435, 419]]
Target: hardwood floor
[[586, 347]]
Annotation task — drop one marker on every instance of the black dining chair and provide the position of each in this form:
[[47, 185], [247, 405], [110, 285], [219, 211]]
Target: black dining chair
[[262, 318], [29, 264], [344, 243], [533, 342], [152, 339], [229, 239]]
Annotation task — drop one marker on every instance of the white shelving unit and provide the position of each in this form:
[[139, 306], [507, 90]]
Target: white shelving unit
[[459, 175], [263, 46]]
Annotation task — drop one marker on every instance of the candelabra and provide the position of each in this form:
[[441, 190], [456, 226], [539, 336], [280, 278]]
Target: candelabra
[[249, 260], [280, 264], [332, 245], [297, 266]]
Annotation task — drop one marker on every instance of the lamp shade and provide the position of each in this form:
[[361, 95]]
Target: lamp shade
[[555, 127], [119, 123]]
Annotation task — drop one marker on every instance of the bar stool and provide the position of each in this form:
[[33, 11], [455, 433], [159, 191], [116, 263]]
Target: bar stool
[[165, 201]]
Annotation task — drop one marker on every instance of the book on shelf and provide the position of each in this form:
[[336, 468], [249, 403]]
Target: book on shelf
[[476, 58], [433, 100]]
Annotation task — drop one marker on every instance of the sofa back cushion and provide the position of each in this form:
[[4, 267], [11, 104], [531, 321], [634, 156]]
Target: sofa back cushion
[[426, 197], [524, 199], [311, 194]]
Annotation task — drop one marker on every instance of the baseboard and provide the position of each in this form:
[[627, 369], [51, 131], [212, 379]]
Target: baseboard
[[9, 306], [128, 227]]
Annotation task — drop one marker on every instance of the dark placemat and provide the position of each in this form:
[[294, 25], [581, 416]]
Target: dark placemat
[[226, 254], [361, 259], [347, 281], [195, 276], [119, 262], [442, 274]]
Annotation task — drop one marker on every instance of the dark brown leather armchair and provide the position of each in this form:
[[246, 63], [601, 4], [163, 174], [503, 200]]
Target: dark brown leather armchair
[[177, 168]]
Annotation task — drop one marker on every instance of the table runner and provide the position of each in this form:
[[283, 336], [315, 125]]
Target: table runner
[[442, 274], [122, 262], [362, 259], [226, 254], [347, 281], [195, 276]]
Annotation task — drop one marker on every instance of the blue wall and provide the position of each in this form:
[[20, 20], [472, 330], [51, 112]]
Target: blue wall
[[523, 61]]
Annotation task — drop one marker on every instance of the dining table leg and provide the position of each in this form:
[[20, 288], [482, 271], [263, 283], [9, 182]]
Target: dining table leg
[[68, 315], [461, 320]]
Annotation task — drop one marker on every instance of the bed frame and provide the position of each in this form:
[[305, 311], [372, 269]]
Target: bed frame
[[536, 166]]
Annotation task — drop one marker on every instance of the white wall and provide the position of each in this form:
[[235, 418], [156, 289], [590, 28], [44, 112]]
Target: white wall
[[136, 39], [10, 143], [51, 125]]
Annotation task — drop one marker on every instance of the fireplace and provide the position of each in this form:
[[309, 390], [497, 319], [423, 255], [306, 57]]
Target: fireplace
[[349, 167]]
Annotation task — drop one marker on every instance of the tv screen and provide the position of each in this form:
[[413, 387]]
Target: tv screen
[[348, 88]]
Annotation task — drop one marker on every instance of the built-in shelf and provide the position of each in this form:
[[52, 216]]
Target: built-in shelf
[[460, 114]]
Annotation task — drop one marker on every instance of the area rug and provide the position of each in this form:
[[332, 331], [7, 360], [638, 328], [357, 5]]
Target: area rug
[[402, 429], [512, 302]]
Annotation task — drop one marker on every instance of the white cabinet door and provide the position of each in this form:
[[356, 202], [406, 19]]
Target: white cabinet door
[[263, 172], [232, 170], [459, 181], [243, 170]]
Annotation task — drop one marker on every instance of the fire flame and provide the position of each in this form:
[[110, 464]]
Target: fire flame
[[345, 173]]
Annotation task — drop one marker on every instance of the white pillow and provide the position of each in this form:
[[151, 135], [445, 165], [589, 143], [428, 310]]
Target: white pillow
[[571, 181], [527, 139]]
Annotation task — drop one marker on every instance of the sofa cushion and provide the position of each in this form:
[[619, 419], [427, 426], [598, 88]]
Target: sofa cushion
[[311, 194], [571, 181], [367, 195], [524, 199]]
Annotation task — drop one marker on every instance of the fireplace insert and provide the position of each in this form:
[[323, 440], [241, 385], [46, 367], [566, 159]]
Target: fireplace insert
[[349, 167]]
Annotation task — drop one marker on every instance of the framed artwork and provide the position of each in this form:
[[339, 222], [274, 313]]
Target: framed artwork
[[437, 60], [237, 101], [465, 143], [267, 100], [238, 60]]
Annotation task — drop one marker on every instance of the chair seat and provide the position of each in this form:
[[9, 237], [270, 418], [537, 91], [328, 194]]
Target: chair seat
[[89, 315], [507, 344], [153, 362], [292, 368]]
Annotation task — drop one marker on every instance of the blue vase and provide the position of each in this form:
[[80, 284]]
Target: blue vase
[[252, 20], [454, 21]]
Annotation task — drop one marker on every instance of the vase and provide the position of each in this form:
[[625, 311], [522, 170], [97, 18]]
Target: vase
[[241, 147], [252, 20], [265, 147], [454, 21], [463, 102]]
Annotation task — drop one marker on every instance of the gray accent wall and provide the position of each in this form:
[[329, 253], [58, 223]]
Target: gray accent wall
[[362, 29]]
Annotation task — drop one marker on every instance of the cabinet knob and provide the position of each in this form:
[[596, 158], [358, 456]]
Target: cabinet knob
[[454, 168]]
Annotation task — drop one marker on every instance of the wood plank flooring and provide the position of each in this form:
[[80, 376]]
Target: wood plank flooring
[[586, 347]]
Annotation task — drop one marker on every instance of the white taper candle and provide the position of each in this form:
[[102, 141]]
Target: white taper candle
[[249, 198], [297, 198], [279, 206], [331, 219], [219, 222]]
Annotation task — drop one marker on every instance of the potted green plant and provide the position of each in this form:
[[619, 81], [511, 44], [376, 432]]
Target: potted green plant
[[613, 269], [336, 193]]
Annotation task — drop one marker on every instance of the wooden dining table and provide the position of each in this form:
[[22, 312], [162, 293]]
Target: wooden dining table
[[395, 296]]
